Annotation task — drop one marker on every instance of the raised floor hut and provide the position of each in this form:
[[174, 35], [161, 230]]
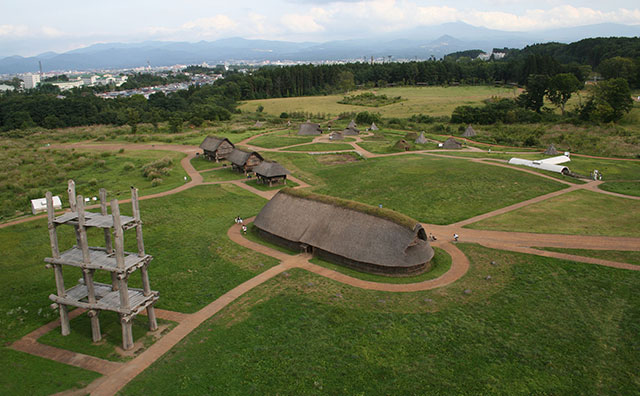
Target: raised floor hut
[[309, 129], [551, 150], [421, 139], [244, 161], [451, 143], [469, 132], [348, 233], [271, 172], [216, 148]]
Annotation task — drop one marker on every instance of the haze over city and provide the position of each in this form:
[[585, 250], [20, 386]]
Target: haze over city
[[30, 28]]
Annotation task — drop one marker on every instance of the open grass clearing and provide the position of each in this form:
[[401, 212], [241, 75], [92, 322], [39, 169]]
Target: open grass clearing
[[627, 188], [518, 333], [577, 212], [430, 189], [320, 147], [201, 163], [109, 347], [435, 101], [223, 174], [253, 236], [440, 264], [275, 141], [28, 173], [265, 187], [629, 257]]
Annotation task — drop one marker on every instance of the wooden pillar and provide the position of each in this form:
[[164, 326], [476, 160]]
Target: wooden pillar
[[118, 241], [88, 273], [136, 215], [107, 236], [57, 268], [127, 333], [73, 205]]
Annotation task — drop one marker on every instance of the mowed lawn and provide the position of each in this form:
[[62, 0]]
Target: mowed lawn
[[429, 189], [539, 326], [434, 101], [578, 212], [194, 263]]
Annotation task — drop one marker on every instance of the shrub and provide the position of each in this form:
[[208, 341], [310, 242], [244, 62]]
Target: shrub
[[156, 182], [161, 167], [284, 115], [128, 166]]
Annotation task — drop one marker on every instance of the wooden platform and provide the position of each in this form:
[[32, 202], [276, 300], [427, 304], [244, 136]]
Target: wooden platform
[[100, 259], [95, 220]]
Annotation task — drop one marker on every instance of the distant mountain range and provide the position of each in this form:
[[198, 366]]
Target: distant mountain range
[[417, 43]]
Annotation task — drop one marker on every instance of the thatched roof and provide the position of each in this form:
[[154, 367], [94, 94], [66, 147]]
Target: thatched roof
[[349, 131], [451, 143], [336, 136], [310, 128], [258, 124], [421, 139], [349, 229], [211, 143], [373, 127], [402, 145], [551, 150], [270, 169], [469, 132], [239, 157], [411, 136], [352, 125]]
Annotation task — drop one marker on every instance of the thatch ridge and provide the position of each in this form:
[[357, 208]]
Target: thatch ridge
[[211, 143], [383, 213], [270, 169]]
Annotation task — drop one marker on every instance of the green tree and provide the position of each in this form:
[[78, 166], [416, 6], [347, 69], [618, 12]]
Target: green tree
[[533, 96], [618, 67], [175, 124], [346, 81], [133, 118], [561, 87], [609, 101]]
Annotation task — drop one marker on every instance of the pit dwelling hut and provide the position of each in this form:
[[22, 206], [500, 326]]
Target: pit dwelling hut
[[269, 172], [551, 150], [451, 143], [309, 129], [421, 139], [469, 132], [373, 127], [336, 136], [244, 161], [348, 233], [402, 145], [216, 148]]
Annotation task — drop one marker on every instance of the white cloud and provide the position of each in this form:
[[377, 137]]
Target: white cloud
[[436, 15], [217, 23], [13, 30], [51, 32], [297, 23]]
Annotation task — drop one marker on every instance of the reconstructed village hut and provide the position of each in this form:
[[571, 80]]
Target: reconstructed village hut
[[352, 125], [451, 143], [336, 136], [469, 132], [310, 128], [411, 136], [402, 145], [216, 148], [271, 172], [373, 127], [258, 124], [421, 139], [551, 150], [244, 161], [345, 232]]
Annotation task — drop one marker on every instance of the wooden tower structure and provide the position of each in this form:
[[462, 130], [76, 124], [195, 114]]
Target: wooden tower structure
[[88, 294]]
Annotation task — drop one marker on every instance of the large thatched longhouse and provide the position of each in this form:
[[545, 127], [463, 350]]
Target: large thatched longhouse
[[356, 235]]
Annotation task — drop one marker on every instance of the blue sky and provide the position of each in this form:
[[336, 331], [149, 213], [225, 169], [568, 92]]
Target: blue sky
[[31, 27]]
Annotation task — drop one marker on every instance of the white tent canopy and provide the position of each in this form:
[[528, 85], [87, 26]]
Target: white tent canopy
[[40, 204], [549, 164]]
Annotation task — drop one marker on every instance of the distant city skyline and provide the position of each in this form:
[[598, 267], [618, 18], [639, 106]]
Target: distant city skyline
[[30, 28]]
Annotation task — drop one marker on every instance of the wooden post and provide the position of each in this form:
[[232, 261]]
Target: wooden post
[[57, 268], [87, 273], [119, 245], [71, 190], [107, 236], [127, 333], [136, 215], [146, 287]]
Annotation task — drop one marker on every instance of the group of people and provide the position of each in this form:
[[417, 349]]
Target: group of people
[[433, 237], [240, 221]]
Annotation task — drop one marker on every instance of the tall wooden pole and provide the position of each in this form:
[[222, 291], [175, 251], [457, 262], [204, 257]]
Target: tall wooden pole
[[107, 235], [57, 268], [144, 273], [118, 240], [88, 273]]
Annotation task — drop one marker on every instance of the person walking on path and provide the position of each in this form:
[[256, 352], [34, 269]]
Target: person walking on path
[[244, 229], [455, 237]]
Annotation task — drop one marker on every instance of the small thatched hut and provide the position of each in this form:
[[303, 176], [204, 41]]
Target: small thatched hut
[[345, 232], [336, 136], [451, 143], [352, 125], [244, 161], [551, 150], [270, 172], [310, 128], [373, 127], [411, 136], [402, 145], [216, 148], [421, 139], [258, 124], [469, 132]]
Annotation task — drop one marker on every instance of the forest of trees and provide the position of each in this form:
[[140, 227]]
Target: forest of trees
[[550, 71]]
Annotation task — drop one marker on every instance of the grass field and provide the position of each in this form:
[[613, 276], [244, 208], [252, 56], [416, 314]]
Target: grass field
[[627, 188], [224, 174], [440, 264], [578, 212], [435, 101], [429, 189], [265, 187], [274, 141], [200, 163], [630, 257], [28, 175], [304, 334], [322, 147]]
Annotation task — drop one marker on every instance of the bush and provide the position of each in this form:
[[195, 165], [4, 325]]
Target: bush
[[161, 167], [93, 182], [156, 182], [284, 115], [366, 118], [128, 166]]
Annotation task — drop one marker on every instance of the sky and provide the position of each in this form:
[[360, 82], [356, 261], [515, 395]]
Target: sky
[[29, 28]]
